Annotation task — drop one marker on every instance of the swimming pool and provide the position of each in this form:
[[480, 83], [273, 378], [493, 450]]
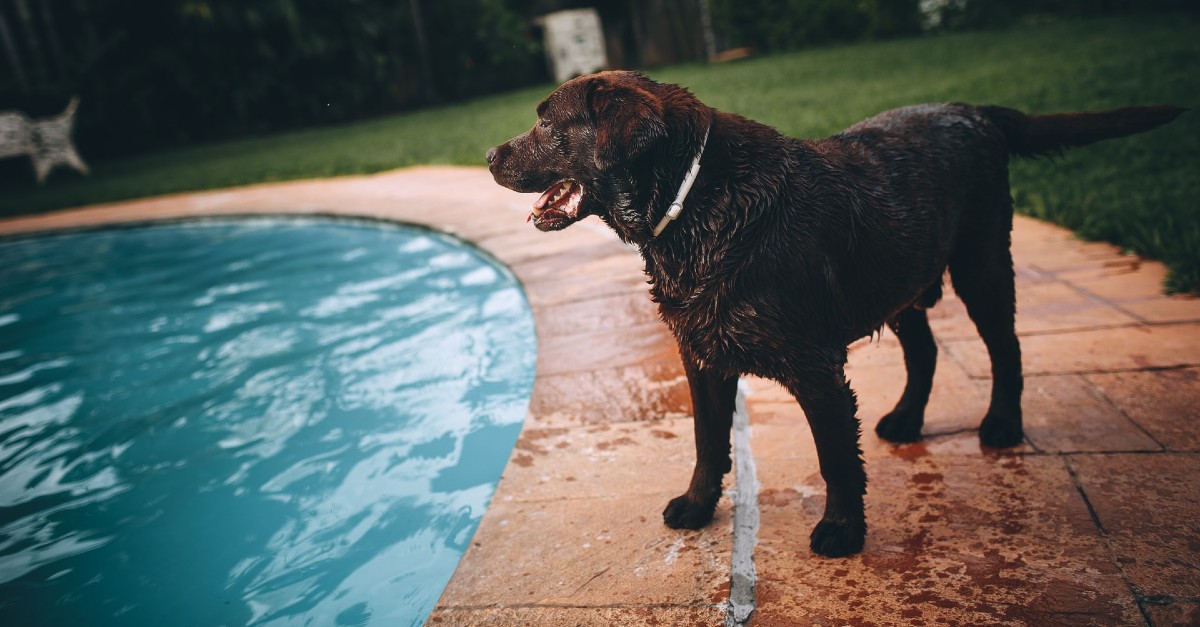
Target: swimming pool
[[249, 422]]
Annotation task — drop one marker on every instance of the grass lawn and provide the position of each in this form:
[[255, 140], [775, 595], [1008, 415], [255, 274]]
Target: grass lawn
[[1142, 193]]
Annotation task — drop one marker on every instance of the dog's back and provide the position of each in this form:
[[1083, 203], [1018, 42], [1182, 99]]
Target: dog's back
[[926, 181], [1025, 135], [890, 200]]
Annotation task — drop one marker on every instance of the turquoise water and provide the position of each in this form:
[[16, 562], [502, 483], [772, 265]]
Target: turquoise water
[[265, 422]]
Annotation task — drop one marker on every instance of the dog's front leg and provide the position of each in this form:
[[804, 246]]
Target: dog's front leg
[[830, 408], [713, 396]]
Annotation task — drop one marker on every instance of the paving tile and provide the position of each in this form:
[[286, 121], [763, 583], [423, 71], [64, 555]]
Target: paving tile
[[1056, 306], [1163, 402], [1048, 306], [1126, 279], [882, 350], [602, 261], [694, 616], [1030, 229], [1065, 413], [605, 312], [1125, 348], [605, 348], [650, 390], [953, 539], [1070, 255], [1175, 308], [588, 283], [591, 552], [956, 403], [948, 319], [1066, 252], [601, 461], [465, 223], [523, 247], [1174, 613], [1147, 506], [1030, 235], [1025, 274]]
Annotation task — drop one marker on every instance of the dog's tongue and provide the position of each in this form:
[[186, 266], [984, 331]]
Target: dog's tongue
[[545, 198]]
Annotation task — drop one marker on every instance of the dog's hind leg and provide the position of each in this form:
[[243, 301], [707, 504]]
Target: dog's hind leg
[[982, 274], [829, 406], [903, 423], [713, 397]]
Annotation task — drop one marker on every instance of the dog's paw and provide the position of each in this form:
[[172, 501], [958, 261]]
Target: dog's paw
[[838, 539], [999, 432], [683, 513], [900, 427]]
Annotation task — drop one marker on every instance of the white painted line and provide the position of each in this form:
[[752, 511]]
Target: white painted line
[[745, 519]]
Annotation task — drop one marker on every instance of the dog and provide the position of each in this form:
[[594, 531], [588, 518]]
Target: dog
[[768, 255], [46, 141]]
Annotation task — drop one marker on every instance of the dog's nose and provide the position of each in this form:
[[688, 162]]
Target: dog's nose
[[490, 155]]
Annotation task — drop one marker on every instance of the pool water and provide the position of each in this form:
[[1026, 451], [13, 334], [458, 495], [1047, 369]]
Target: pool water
[[259, 422]]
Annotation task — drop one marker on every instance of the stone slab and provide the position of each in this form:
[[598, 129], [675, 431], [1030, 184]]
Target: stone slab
[[650, 390], [604, 348], [953, 539], [541, 616], [1097, 350], [1166, 403], [1147, 506], [602, 461], [591, 552], [1067, 414]]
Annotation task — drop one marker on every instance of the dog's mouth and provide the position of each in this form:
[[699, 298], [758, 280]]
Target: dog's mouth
[[558, 206]]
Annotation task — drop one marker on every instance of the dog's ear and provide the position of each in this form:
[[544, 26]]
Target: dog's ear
[[628, 118]]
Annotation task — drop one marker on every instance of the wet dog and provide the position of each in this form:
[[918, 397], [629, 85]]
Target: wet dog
[[768, 255]]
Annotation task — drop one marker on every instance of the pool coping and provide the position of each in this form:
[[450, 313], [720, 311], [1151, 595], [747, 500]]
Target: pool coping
[[574, 536]]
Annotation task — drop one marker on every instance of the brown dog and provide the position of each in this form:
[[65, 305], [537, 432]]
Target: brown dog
[[780, 252]]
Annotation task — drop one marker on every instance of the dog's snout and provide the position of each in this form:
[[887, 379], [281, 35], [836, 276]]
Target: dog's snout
[[490, 155]]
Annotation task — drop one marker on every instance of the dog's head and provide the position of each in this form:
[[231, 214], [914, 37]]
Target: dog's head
[[596, 147]]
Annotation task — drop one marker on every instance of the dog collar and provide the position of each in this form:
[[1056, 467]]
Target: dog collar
[[676, 207]]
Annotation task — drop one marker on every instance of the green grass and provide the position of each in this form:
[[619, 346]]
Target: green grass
[[1141, 193]]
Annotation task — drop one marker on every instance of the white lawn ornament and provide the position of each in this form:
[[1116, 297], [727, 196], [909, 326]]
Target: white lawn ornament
[[47, 141], [574, 42]]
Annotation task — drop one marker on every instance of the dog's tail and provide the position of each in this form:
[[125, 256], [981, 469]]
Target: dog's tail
[[1048, 135]]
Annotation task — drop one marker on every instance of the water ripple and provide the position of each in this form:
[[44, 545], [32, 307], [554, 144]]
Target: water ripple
[[260, 422]]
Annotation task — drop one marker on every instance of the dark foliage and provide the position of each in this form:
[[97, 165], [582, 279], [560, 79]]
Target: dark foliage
[[771, 25], [153, 73], [157, 73]]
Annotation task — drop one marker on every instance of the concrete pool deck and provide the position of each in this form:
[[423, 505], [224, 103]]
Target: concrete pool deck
[[1094, 519]]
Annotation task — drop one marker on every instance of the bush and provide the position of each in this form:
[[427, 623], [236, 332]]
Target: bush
[[773, 25], [770, 25], [153, 73]]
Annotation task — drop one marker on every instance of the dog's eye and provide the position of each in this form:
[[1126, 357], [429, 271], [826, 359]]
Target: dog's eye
[[543, 124]]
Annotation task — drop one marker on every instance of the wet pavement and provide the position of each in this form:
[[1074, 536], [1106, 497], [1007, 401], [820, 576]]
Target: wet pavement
[[1093, 520]]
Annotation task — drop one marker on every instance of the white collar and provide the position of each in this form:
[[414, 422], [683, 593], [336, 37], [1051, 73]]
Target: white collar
[[677, 206]]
